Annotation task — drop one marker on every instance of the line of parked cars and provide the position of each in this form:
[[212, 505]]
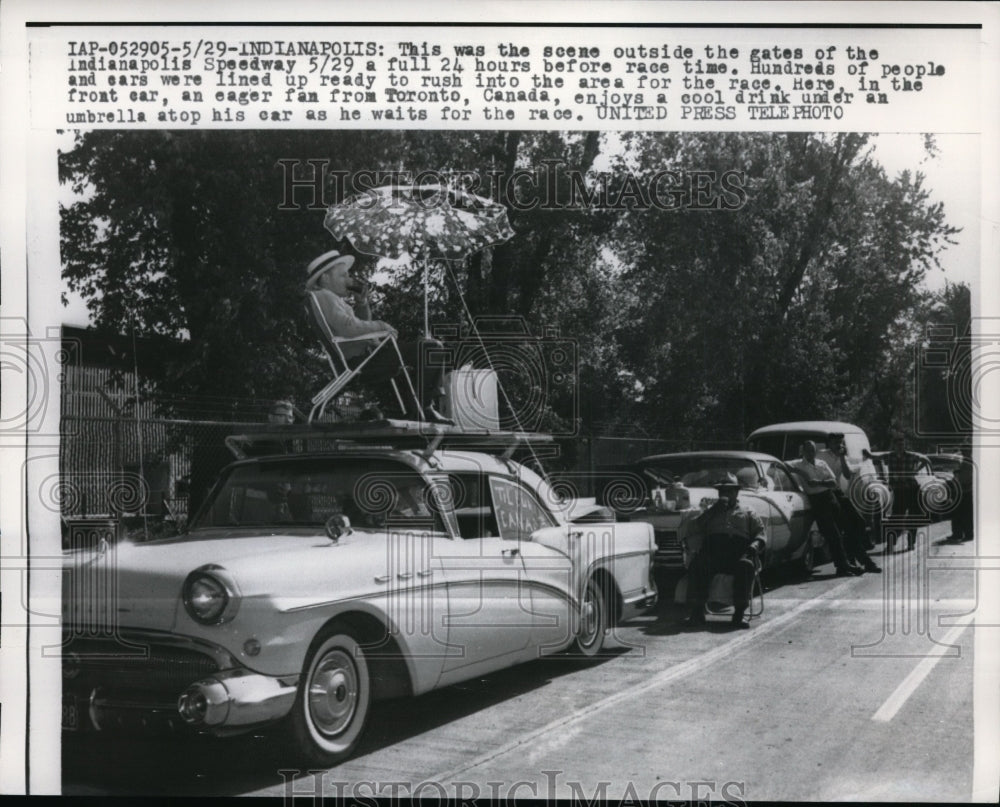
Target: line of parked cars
[[677, 487], [336, 564]]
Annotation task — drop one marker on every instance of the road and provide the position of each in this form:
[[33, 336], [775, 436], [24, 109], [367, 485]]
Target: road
[[844, 688]]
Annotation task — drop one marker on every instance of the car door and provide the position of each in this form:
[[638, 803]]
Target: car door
[[792, 506], [555, 555], [489, 606]]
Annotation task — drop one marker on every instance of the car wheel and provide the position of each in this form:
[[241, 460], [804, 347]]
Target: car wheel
[[333, 701], [593, 620]]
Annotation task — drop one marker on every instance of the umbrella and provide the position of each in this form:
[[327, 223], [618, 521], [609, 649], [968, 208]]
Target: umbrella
[[420, 223]]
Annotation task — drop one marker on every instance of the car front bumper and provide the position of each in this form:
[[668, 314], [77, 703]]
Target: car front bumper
[[152, 681], [235, 699]]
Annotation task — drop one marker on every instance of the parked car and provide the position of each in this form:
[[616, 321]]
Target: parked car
[[938, 490], [680, 486], [866, 489], [945, 466], [366, 564]]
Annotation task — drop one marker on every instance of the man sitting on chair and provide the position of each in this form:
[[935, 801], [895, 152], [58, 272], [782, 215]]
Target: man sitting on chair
[[330, 281]]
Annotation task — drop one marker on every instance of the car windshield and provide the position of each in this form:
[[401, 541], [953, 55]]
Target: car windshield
[[305, 492], [701, 471]]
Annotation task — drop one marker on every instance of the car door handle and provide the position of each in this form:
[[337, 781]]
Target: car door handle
[[404, 575], [382, 578], [425, 573], [510, 552]]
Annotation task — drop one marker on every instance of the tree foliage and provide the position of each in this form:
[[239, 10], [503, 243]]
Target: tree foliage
[[693, 324]]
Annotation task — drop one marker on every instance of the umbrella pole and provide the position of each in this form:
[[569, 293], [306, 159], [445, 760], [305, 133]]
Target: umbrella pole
[[427, 326]]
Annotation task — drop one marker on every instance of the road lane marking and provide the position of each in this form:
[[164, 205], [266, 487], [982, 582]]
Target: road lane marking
[[669, 675], [887, 711]]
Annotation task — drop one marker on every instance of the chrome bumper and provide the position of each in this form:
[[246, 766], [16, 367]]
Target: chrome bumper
[[639, 603], [235, 698]]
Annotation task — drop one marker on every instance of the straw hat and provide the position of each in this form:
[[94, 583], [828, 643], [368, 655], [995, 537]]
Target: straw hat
[[324, 263]]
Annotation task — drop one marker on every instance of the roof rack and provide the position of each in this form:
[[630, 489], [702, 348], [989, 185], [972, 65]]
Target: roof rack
[[391, 434]]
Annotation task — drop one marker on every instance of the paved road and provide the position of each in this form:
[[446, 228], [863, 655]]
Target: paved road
[[857, 688]]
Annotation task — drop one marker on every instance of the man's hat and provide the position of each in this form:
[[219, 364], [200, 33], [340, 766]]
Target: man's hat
[[325, 262], [728, 481]]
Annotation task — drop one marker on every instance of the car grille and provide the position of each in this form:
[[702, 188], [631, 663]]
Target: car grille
[[668, 549], [129, 665]]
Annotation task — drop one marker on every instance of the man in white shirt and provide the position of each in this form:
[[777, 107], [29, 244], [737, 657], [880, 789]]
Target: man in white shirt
[[852, 526], [819, 482]]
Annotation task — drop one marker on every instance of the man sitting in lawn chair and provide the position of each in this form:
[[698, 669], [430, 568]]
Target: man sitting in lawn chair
[[357, 344]]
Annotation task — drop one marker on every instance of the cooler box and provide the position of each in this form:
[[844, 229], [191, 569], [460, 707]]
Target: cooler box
[[471, 399]]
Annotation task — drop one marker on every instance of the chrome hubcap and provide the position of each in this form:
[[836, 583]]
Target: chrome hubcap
[[333, 693], [589, 616]]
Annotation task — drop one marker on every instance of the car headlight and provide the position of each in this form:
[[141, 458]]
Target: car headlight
[[210, 595]]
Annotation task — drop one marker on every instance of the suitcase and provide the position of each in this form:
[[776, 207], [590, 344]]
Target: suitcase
[[471, 399]]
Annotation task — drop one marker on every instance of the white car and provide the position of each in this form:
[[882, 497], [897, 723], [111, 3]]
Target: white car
[[364, 563], [870, 496], [681, 486]]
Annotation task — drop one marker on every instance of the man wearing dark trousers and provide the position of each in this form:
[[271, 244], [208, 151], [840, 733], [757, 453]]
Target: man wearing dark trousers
[[852, 526], [819, 482], [902, 467], [732, 539]]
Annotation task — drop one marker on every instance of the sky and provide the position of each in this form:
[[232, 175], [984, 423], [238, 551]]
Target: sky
[[953, 176]]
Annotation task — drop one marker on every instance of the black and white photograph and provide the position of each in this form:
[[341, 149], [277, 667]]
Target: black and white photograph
[[577, 441]]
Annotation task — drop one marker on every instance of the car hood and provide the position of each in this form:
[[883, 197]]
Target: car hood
[[139, 584], [666, 517]]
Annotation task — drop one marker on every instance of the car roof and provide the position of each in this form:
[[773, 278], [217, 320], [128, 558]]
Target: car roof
[[440, 460], [755, 456], [881, 454], [825, 426]]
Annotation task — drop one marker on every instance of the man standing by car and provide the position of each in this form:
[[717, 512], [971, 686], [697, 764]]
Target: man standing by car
[[852, 526], [962, 519], [902, 467], [732, 541], [819, 482]]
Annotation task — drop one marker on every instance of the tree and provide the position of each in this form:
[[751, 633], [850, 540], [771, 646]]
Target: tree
[[785, 308], [798, 297], [181, 234]]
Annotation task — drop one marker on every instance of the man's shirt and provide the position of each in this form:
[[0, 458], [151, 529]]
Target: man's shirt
[[737, 520], [838, 463], [813, 473], [343, 322]]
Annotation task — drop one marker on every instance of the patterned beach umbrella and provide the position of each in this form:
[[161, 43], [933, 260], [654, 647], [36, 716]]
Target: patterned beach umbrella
[[419, 223]]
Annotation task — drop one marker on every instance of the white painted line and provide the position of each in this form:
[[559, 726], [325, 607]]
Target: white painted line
[[669, 675], [887, 711]]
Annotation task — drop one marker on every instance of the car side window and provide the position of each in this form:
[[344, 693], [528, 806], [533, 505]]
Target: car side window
[[518, 512], [773, 444], [472, 506], [782, 481], [486, 506]]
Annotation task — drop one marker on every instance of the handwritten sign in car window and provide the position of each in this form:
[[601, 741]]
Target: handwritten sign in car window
[[518, 514]]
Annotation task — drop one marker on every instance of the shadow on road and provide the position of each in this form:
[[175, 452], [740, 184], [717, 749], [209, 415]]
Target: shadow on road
[[189, 764]]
